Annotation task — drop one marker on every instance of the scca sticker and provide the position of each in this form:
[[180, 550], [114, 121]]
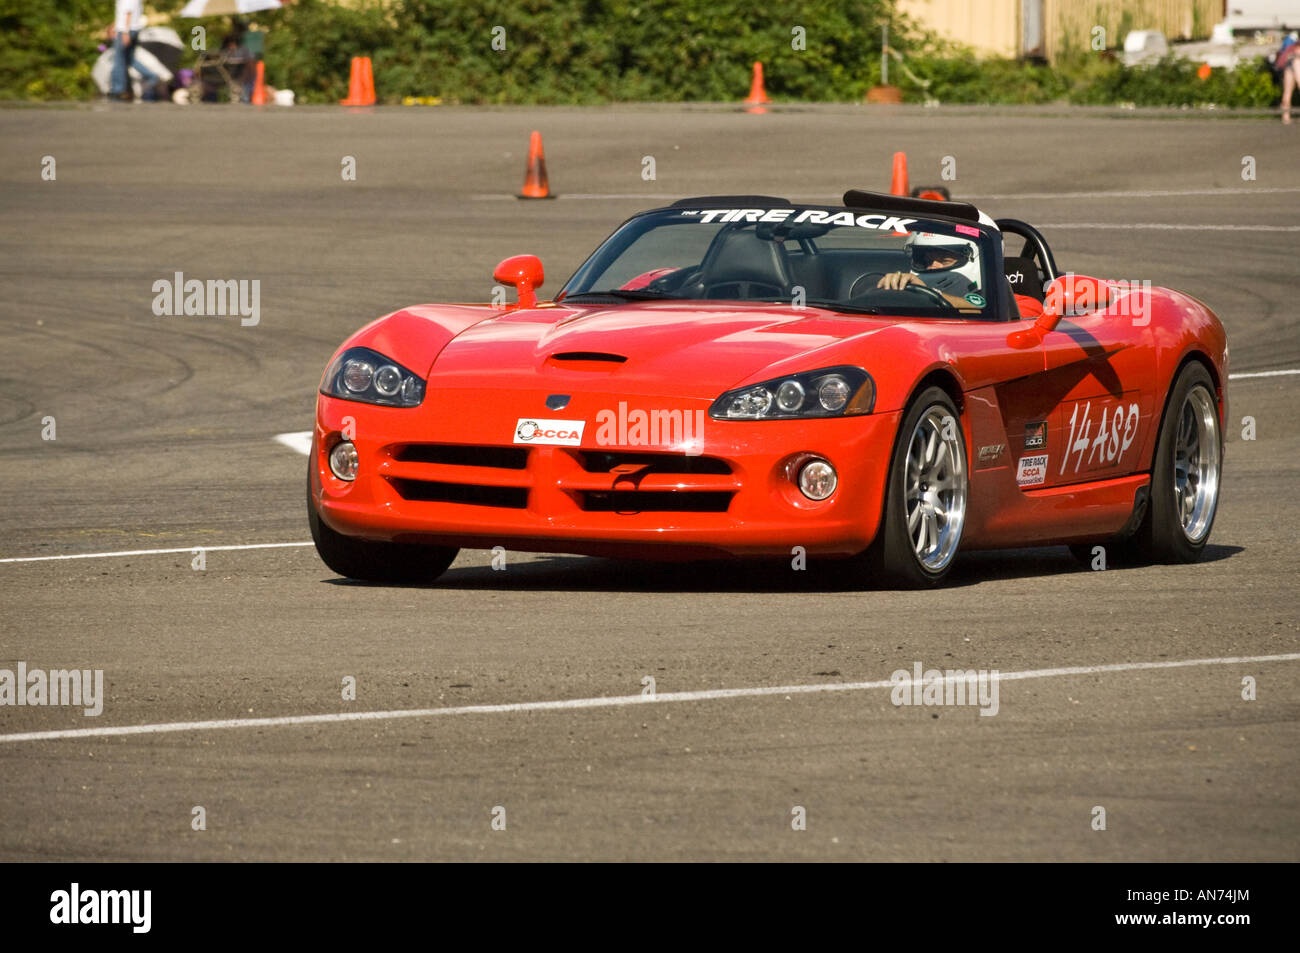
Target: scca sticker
[[884, 223], [555, 433], [1032, 471]]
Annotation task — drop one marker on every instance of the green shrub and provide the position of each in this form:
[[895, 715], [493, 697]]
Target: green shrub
[[1088, 80], [597, 51], [47, 47]]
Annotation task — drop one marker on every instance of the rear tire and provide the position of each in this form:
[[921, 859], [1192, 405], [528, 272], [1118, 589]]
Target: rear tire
[[372, 561], [926, 496], [1185, 473]]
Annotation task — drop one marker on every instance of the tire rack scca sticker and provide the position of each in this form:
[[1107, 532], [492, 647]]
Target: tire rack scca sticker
[[884, 223], [1032, 470], [554, 433]]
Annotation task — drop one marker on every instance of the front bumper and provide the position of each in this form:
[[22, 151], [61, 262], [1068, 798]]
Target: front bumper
[[451, 476]]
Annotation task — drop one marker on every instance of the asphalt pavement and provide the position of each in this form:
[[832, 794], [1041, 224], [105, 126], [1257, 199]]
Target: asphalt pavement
[[164, 439]]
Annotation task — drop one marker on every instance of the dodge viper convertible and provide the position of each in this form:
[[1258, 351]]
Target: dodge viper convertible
[[885, 382]]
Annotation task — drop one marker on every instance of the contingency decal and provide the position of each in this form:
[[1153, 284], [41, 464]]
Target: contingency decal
[[1032, 470], [1036, 435], [555, 433], [884, 223], [1100, 434]]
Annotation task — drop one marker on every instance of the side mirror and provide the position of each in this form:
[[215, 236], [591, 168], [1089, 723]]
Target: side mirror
[[524, 273], [1071, 294], [1067, 295]]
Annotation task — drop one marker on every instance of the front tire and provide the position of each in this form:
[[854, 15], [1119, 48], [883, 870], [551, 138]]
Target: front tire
[[926, 496], [372, 561]]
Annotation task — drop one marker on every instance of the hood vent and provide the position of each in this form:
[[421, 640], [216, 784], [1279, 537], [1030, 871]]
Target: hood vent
[[588, 356]]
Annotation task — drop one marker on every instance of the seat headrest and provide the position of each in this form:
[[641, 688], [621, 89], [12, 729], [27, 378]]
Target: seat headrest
[[743, 256]]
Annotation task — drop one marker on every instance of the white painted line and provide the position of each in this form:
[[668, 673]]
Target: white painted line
[[834, 198], [150, 552], [1116, 194], [1234, 377], [299, 440], [1167, 227], [614, 701]]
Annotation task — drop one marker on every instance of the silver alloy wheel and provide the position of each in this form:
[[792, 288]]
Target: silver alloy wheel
[[935, 488], [1196, 463]]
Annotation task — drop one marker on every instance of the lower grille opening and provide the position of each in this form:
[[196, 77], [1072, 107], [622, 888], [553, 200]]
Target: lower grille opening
[[655, 501], [429, 491], [597, 462], [502, 458]]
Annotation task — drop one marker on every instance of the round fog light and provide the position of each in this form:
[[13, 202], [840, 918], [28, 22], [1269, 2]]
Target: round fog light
[[343, 461], [817, 480]]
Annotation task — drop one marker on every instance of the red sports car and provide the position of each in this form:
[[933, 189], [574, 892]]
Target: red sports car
[[745, 376]]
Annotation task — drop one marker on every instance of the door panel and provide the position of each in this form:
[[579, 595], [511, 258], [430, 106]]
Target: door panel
[[1097, 383]]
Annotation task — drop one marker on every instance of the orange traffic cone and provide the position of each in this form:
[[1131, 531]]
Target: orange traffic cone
[[898, 186], [536, 185], [259, 85], [757, 94], [361, 84], [367, 82]]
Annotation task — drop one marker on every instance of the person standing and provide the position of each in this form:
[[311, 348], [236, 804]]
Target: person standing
[[127, 23], [1288, 66]]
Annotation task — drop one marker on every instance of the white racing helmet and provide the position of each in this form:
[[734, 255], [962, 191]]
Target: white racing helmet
[[923, 247]]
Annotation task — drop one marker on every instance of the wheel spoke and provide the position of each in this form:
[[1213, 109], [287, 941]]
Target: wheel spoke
[[939, 457]]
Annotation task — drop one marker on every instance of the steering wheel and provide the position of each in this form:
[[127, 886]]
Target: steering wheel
[[877, 275]]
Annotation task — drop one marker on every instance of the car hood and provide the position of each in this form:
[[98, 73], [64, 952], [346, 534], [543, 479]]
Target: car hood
[[652, 347]]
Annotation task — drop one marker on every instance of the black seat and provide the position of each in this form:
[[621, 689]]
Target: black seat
[[743, 265], [1024, 277]]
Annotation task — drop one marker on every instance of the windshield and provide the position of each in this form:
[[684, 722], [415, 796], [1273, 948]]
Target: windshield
[[851, 260]]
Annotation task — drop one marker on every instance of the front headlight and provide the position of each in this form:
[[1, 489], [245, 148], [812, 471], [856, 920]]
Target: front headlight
[[829, 392], [365, 375]]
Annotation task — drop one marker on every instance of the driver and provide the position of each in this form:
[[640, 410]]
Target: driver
[[943, 263]]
